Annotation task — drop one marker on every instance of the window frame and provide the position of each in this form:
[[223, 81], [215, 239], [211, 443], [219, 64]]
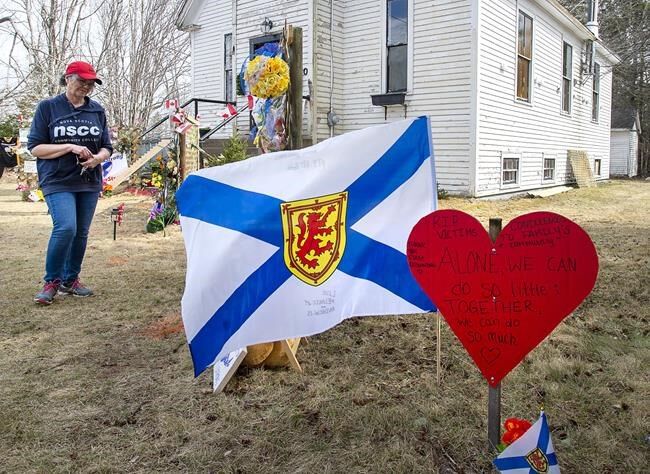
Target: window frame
[[567, 80], [385, 49], [229, 54], [598, 167], [516, 170], [595, 94], [522, 100], [546, 168]]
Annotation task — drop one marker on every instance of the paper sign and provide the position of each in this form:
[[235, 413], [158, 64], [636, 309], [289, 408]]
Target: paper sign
[[113, 167], [502, 299], [225, 368], [22, 136], [29, 166]]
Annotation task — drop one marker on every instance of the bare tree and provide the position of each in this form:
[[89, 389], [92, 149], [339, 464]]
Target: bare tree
[[144, 58], [133, 44], [625, 28], [46, 34]]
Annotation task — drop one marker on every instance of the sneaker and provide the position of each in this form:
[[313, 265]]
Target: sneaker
[[75, 288], [47, 294]]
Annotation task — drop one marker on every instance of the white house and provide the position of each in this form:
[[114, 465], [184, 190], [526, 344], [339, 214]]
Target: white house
[[509, 85], [624, 146]]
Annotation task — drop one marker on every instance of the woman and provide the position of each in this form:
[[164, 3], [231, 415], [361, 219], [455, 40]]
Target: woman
[[69, 136]]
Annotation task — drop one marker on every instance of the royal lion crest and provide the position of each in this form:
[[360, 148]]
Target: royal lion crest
[[537, 460], [314, 236]]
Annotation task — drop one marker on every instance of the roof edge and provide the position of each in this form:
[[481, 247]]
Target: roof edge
[[187, 13]]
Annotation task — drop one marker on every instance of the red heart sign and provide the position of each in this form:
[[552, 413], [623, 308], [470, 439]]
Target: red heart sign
[[502, 299]]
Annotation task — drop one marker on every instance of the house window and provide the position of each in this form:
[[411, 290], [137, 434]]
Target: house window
[[229, 89], [396, 44], [597, 166], [549, 169], [524, 56], [567, 77], [510, 169], [595, 100]]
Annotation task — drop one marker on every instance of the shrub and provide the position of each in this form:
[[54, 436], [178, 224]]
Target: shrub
[[234, 150], [442, 192]]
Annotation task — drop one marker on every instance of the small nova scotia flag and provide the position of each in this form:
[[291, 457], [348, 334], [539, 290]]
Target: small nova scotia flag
[[532, 453]]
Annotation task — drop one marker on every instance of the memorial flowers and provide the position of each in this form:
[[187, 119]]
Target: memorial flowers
[[164, 177], [27, 183], [107, 189], [514, 429], [267, 77]]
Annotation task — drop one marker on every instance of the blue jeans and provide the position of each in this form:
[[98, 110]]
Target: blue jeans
[[71, 214]]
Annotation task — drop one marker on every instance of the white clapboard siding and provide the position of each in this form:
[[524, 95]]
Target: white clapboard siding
[[619, 152], [623, 153], [634, 150], [538, 129], [462, 70], [440, 83], [214, 21], [328, 64]]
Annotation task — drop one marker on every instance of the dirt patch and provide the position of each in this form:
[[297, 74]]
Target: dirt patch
[[116, 261], [163, 328]]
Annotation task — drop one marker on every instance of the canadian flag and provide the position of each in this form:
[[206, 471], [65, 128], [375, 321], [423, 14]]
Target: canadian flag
[[182, 128], [171, 104], [228, 111], [178, 118]]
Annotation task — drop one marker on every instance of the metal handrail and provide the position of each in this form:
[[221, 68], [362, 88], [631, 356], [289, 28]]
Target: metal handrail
[[185, 104]]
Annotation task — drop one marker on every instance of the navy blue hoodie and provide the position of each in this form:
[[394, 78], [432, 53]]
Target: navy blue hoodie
[[57, 121]]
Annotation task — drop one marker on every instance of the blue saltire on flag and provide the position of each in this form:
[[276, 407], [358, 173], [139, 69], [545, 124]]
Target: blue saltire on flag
[[531, 453], [289, 244]]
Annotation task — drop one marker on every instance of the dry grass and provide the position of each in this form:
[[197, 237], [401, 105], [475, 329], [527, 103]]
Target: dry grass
[[101, 385]]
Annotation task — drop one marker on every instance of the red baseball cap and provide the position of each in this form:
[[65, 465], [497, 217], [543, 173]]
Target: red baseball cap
[[83, 70]]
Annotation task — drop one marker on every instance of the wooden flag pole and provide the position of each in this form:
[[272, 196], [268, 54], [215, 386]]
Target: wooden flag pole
[[494, 393], [294, 96], [181, 157]]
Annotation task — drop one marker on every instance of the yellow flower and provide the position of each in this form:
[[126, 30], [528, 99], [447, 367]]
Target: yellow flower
[[267, 77]]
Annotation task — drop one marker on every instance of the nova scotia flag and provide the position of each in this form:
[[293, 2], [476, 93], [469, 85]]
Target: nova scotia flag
[[532, 453], [289, 244]]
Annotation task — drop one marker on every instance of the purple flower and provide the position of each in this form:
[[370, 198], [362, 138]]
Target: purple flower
[[156, 210]]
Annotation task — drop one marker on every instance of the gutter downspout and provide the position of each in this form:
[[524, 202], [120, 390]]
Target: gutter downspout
[[314, 74], [233, 10], [475, 109], [330, 114]]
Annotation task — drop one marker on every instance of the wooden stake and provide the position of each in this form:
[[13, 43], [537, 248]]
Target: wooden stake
[[438, 347], [494, 393], [294, 97], [181, 157], [291, 355]]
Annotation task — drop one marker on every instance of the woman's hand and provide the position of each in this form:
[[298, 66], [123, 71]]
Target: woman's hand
[[83, 152], [93, 161]]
